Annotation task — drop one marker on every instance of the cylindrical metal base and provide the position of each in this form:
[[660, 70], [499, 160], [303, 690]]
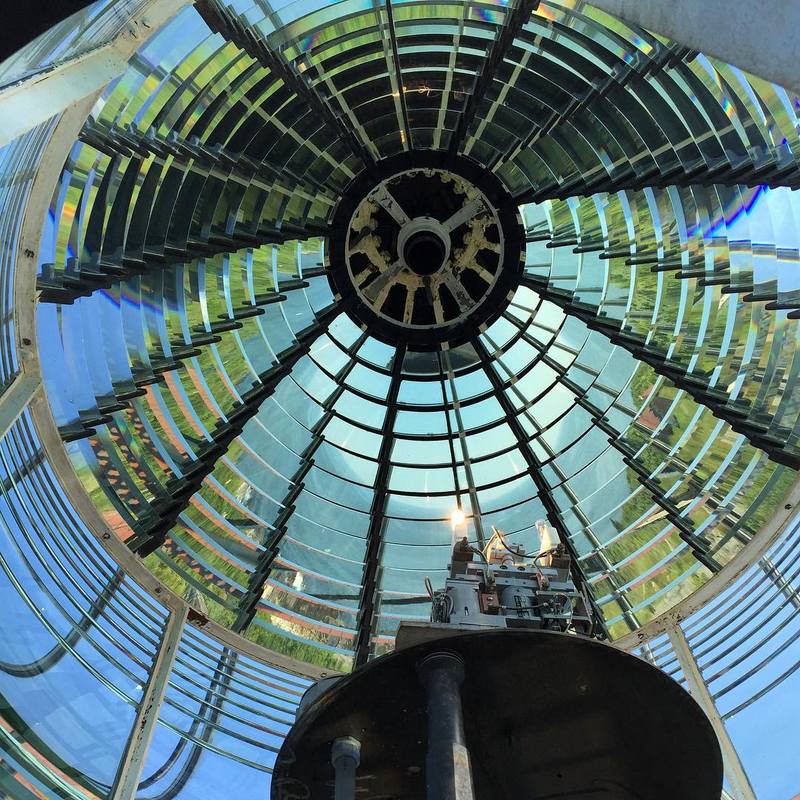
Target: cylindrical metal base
[[447, 770], [546, 715]]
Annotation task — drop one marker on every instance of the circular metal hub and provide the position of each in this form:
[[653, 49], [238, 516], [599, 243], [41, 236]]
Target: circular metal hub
[[426, 255]]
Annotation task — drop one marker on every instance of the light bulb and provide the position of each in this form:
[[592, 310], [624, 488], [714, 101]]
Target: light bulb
[[457, 517], [546, 537]]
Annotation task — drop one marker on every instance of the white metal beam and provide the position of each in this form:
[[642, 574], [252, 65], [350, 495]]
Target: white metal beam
[[15, 399], [760, 38], [26, 266], [734, 771], [34, 100], [37, 98], [130, 769]]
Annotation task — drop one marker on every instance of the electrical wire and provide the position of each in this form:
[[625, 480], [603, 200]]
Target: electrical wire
[[441, 607], [534, 556], [480, 553]]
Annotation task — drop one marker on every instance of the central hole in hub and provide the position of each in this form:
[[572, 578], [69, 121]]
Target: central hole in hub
[[424, 252]]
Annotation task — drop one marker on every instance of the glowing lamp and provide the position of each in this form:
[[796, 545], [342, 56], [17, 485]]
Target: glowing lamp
[[457, 517]]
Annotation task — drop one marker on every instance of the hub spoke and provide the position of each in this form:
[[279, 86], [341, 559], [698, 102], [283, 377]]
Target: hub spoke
[[408, 309], [376, 291], [467, 212], [460, 294], [383, 197]]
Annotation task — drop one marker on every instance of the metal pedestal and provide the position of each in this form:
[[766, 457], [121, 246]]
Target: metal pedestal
[[544, 715], [447, 770]]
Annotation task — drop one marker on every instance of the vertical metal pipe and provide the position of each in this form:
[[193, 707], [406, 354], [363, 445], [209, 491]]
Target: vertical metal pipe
[[345, 757], [447, 770]]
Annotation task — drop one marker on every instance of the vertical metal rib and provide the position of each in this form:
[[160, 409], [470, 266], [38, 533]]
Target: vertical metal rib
[[248, 603], [700, 547], [535, 471], [780, 581], [399, 75], [736, 414], [15, 398], [366, 606], [222, 20], [444, 356], [152, 534], [502, 44], [451, 446]]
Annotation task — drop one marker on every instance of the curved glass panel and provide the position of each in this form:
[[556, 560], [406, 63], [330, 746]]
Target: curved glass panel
[[290, 469], [274, 456]]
